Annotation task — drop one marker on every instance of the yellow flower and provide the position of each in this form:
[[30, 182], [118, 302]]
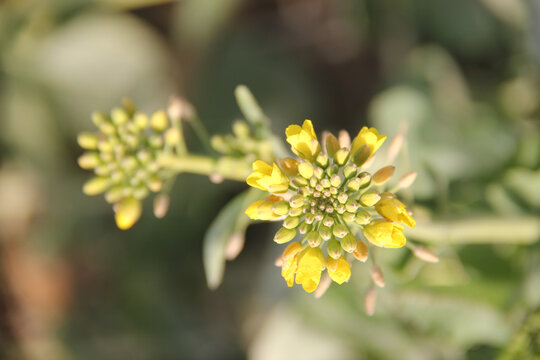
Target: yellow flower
[[268, 177], [128, 211], [384, 233], [303, 140], [394, 210], [262, 209], [369, 137], [310, 266], [290, 262], [339, 270]]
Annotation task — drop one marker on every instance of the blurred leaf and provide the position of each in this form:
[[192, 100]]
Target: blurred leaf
[[230, 220], [526, 184]]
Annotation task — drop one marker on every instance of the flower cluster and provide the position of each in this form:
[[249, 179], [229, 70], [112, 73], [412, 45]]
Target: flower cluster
[[242, 142], [327, 196], [123, 156]]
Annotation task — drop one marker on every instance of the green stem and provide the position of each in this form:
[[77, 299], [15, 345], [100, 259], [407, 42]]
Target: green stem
[[230, 169]]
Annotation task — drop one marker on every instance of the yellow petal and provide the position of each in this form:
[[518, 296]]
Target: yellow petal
[[341, 272]]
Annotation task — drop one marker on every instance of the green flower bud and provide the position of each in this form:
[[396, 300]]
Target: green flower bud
[[119, 116], [291, 222], [334, 249], [322, 160], [340, 209], [335, 180], [304, 228], [173, 137], [155, 141], [305, 169], [140, 192], [103, 124], [342, 155], [370, 198], [325, 183], [114, 195], [342, 198], [299, 181], [280, 208], [325, 232], [284, 235], [331, 170], [310, 218], [313, 239], [349, 171], [353, 184], [141, 121], [240, 129], [348, 243], [362, 218], [89, 160], [295, 211], [352, 206], [348, 217], [365, 179], [328, 221], [340, 230], [96, 186], [159, 121], [87, 141], [297, 201], [318, 172], [331, 144]]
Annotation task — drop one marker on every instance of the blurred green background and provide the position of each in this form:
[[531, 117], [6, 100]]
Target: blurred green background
[[461, 76]]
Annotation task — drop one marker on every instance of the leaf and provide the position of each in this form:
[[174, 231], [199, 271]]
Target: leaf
[[230, 221]]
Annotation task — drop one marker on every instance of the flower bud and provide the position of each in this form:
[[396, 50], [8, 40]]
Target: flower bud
[[103, 124], [291, 222], [354, 184], [284, 235], [362, 218], [305, 169], [87, 141], [383, 175], [328, 221], [119, 116], [289, 166], [370, 198], [325, 232], [349, 171], [161, 205], [173, 137], [297, 201], [342, 155], [352, 206], [348, 216], [141, 121], [334, 249], [424, 254], [313, 239], [331, 144], [159, 121], [335, 180], [340, 230], [299, 181], [128, 212], [361, 251], [240, 129], [325, 183], [296, 211], [322, 160], [89, 160], [342, 198], [280, 208], [344, 139], [365, 179], [377, 276], [318, 172], [303, 228], [348, 243], [96, 186], [115, 194]]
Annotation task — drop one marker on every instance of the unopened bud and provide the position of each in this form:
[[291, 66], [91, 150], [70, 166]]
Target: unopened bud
[[342, 198], [365, 179], [349, 171], [362, 218], [322, 160], [96, 186], [305, 169], [159, 121], [115, 194], [280, 208], [331, 170], [361, 251], [370, 198], [296, 211], [334, 249], [353, 184], [361, 155], [424, 254], [377, 276], [331, 144], [155, 184], [141, 120], [284, 235], [297, 201], [291, 222], [240, 129], [140, 192], [348, 243], [128, 212], [235, 246], [313, 239], [328, 221], [370, 300], [318, 172], [325, 232], [342, 155], [348, 216], [407, 180], [340, 230], [303, 228], [325, 183], [352, 206], [161, 205], [89, 160], [383, 175], [119, 116], [299, 181], [173, 137], [87, 141], [335, 180]]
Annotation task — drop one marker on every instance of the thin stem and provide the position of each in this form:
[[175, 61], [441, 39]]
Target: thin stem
[[230, 169]]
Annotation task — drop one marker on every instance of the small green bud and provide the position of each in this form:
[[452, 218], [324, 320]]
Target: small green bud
[[105, 146], [96, 186], [342, 198], [322, 160], [325, 232], [362, 218], [297, 201], [141, 120], [295, 211], [87, 141], [218, 143], [144, 156], [349, 171], [280, 208], [119, 116], [347, 216], [331, 170], [89, 160], [304, 228], [102, 170], [331, 144], [370, 198], [313, 181], [103, 124], [342, 155], [240, 129], [173, 137], [328, 221], [310, 218], [140, 192], [313, 239], [348, 243], [365, 179], [284, 235], [115, 194], [155, 141], [129, 164], [305, 169], [334, 249], [159, 121], [353, 184], [154, 183], [361, 155], [299, 181], [318, 216], [340, 230], [335, 180], [291, 222], [318, 172], [340, 209], [383, 175], [325, 183], [352, 206]]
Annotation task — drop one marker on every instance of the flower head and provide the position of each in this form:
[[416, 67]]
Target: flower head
[[328, 199]]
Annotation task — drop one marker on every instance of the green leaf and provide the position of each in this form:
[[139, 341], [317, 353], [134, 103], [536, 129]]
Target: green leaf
[[231, 220]]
